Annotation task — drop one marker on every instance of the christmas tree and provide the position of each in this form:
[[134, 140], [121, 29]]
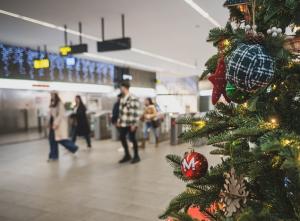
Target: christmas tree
[[257, 131]]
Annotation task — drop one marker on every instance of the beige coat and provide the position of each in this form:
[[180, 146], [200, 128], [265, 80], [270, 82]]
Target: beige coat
[[150, 113], [60, 120]]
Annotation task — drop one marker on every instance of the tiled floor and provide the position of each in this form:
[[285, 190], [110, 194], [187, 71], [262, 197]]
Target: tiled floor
[[91, 187]]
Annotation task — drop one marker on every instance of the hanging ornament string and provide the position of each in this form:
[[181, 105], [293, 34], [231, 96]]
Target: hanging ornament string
[[253, 12]]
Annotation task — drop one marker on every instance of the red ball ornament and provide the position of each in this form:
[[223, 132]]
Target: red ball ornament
[[197, 214], [194, 165]]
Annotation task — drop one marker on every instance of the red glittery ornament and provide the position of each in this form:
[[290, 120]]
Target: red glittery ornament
[[194, 165], [218, 79], [197, 214]]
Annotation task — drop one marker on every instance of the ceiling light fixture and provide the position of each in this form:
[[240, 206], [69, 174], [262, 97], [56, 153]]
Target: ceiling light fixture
[[122, 62], [70, 31], [133, 64], [48, 25], [202, 12], [162, 57]]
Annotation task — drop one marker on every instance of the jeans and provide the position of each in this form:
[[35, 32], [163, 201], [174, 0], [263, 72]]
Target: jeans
[[68, 144], [147, 126], [53, 146], [86, 137], [123, 137]]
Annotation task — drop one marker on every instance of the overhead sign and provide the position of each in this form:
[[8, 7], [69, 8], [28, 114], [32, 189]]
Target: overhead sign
[[114, 44], [41, 63], [77, 49], [127, 77], [65, 50], [73, 49]]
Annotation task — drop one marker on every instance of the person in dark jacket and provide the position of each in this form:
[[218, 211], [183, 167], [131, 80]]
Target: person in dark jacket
[[115, 110], [80, 122]]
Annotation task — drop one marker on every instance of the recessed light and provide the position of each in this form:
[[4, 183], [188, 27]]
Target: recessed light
[[202, 12]]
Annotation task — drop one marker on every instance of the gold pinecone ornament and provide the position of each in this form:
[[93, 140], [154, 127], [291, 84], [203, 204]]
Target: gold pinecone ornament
[[234, 195]]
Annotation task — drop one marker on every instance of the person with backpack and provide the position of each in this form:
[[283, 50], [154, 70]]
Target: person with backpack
[[115, 110]]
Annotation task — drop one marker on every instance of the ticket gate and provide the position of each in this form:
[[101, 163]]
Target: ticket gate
[[102, 126]]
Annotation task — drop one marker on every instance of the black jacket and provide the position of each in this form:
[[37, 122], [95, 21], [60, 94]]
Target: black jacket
[[115, 113], [82, 124]]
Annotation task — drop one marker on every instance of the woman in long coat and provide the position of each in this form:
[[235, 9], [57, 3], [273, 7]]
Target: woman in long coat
[[58, 128], [81, 124]]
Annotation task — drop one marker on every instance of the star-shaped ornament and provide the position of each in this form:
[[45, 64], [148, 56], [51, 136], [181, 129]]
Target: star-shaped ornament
[[218, 79]]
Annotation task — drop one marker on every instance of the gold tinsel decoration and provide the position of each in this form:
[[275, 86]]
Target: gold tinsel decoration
[[234, 194]]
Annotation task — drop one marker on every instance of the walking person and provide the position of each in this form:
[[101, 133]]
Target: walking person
[[128, 122], [115, 117], [80, 121], [115, 110], [151, 122], [58, 128]]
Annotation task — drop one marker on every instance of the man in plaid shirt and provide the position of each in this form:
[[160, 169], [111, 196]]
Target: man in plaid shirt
[[129, 114]]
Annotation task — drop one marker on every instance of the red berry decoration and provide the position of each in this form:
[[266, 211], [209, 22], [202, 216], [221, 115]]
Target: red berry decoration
[[194, 165], [218, 79]]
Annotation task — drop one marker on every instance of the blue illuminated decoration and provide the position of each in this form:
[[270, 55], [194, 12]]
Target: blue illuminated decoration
[[70, 61], [17, 63], [92, 67]]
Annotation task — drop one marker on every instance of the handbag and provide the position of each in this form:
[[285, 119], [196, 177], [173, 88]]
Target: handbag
[[155, 123]]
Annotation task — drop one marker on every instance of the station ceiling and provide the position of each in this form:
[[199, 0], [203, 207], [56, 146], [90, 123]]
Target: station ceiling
[[168, 36]]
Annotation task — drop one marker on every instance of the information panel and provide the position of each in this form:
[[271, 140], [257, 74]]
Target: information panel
[[138, 78], [18, 63]]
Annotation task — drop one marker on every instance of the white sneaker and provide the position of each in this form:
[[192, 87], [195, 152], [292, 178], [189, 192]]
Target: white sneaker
[[75, 155], [121, 150]]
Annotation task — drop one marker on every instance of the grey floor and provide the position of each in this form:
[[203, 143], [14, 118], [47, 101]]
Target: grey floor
[[90, 187], [19, 137]]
